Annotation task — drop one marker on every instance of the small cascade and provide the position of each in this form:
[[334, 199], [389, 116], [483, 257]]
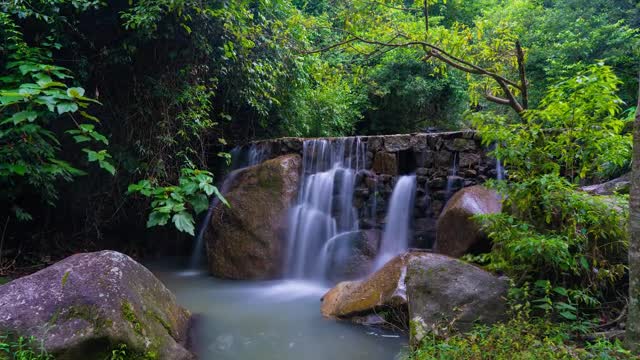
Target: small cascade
[[325, 204], [397, 231], [240, 158], [499, 170], [452, 176]]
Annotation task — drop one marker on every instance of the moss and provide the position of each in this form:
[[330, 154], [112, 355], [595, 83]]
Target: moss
[[88, 313], [129, 315], [4, 280], [159, 319], [65, 277]]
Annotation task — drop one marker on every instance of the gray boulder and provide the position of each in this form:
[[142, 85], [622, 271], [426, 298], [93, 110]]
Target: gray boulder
[[447, 295], [88, 304], [619, 185]]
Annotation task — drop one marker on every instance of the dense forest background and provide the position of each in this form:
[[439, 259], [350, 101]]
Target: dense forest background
[[155, 93]]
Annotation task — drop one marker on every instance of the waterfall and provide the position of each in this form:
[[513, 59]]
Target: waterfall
[[397, 232], [499, 170], [240, 159], [325, 204], [452, 176]]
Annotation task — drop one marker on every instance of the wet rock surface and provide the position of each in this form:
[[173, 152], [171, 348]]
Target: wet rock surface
[[88, 304], [247, 240]]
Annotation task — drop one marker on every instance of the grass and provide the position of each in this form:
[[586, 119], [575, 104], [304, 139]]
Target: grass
[[21, 348], [517, 339]]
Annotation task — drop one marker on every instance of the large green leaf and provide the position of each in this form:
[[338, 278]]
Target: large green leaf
[[157, 218], [184, 222], [67, 107]]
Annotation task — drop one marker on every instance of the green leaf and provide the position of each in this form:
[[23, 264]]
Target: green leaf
[[200, 203], [184, 222], [568, 315], [21, 116], [219, 196], [107, 166], [75, 92], [81, 138], [67, 107], [157, 218]]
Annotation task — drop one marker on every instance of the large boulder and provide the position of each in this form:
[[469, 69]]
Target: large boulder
[[446, 294], [246, 240], [89, 304], [456, 232], [377, 299], [619, 185]]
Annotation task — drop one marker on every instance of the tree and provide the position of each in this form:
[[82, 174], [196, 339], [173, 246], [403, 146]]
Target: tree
[[633, 321], [491, 56]]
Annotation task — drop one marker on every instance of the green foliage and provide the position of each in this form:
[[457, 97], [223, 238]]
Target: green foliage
[[34, 98], [577, 132], [569, 245], [178, 203], [406, 95], [22, 348], [326, 104], [517, 339]]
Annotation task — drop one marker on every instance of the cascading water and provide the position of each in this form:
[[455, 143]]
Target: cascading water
[[499, 170], [240, 159], [397, 229], [325, 205], [452, 176]]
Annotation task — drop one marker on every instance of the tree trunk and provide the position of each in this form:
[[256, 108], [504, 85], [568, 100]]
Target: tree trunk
[[632, 336]]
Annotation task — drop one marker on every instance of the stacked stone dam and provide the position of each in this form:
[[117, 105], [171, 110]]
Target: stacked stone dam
[[430, 156]]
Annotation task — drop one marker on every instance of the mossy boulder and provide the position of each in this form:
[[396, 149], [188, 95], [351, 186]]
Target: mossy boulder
[[89, 304], [246, 240], [457, 233], [447, 295], [383, 292]]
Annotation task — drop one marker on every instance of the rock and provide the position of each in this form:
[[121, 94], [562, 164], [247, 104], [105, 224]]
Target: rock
[[361, 301], [420, 142], [456, 232], [374, 143], [246, 240], [446, 295], [294, 144], [88, 304], [354, 253], [620, 185], [443, 159], [394, 143], [385, 163], [460, 145], [468, 160]]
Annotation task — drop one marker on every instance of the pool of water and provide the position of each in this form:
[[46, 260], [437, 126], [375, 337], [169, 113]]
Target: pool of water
[[240, 320]]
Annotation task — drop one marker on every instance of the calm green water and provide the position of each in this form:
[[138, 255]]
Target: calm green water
[[271, 320]]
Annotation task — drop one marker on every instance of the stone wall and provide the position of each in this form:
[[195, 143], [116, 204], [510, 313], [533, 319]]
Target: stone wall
[[430, 156]]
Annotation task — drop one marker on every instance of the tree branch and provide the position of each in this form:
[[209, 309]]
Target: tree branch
[[523, 75]]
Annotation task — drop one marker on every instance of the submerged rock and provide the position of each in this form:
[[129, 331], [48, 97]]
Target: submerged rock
[[88, 304], [354, 254], [456, 232], [447, 295], [246, 240]]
